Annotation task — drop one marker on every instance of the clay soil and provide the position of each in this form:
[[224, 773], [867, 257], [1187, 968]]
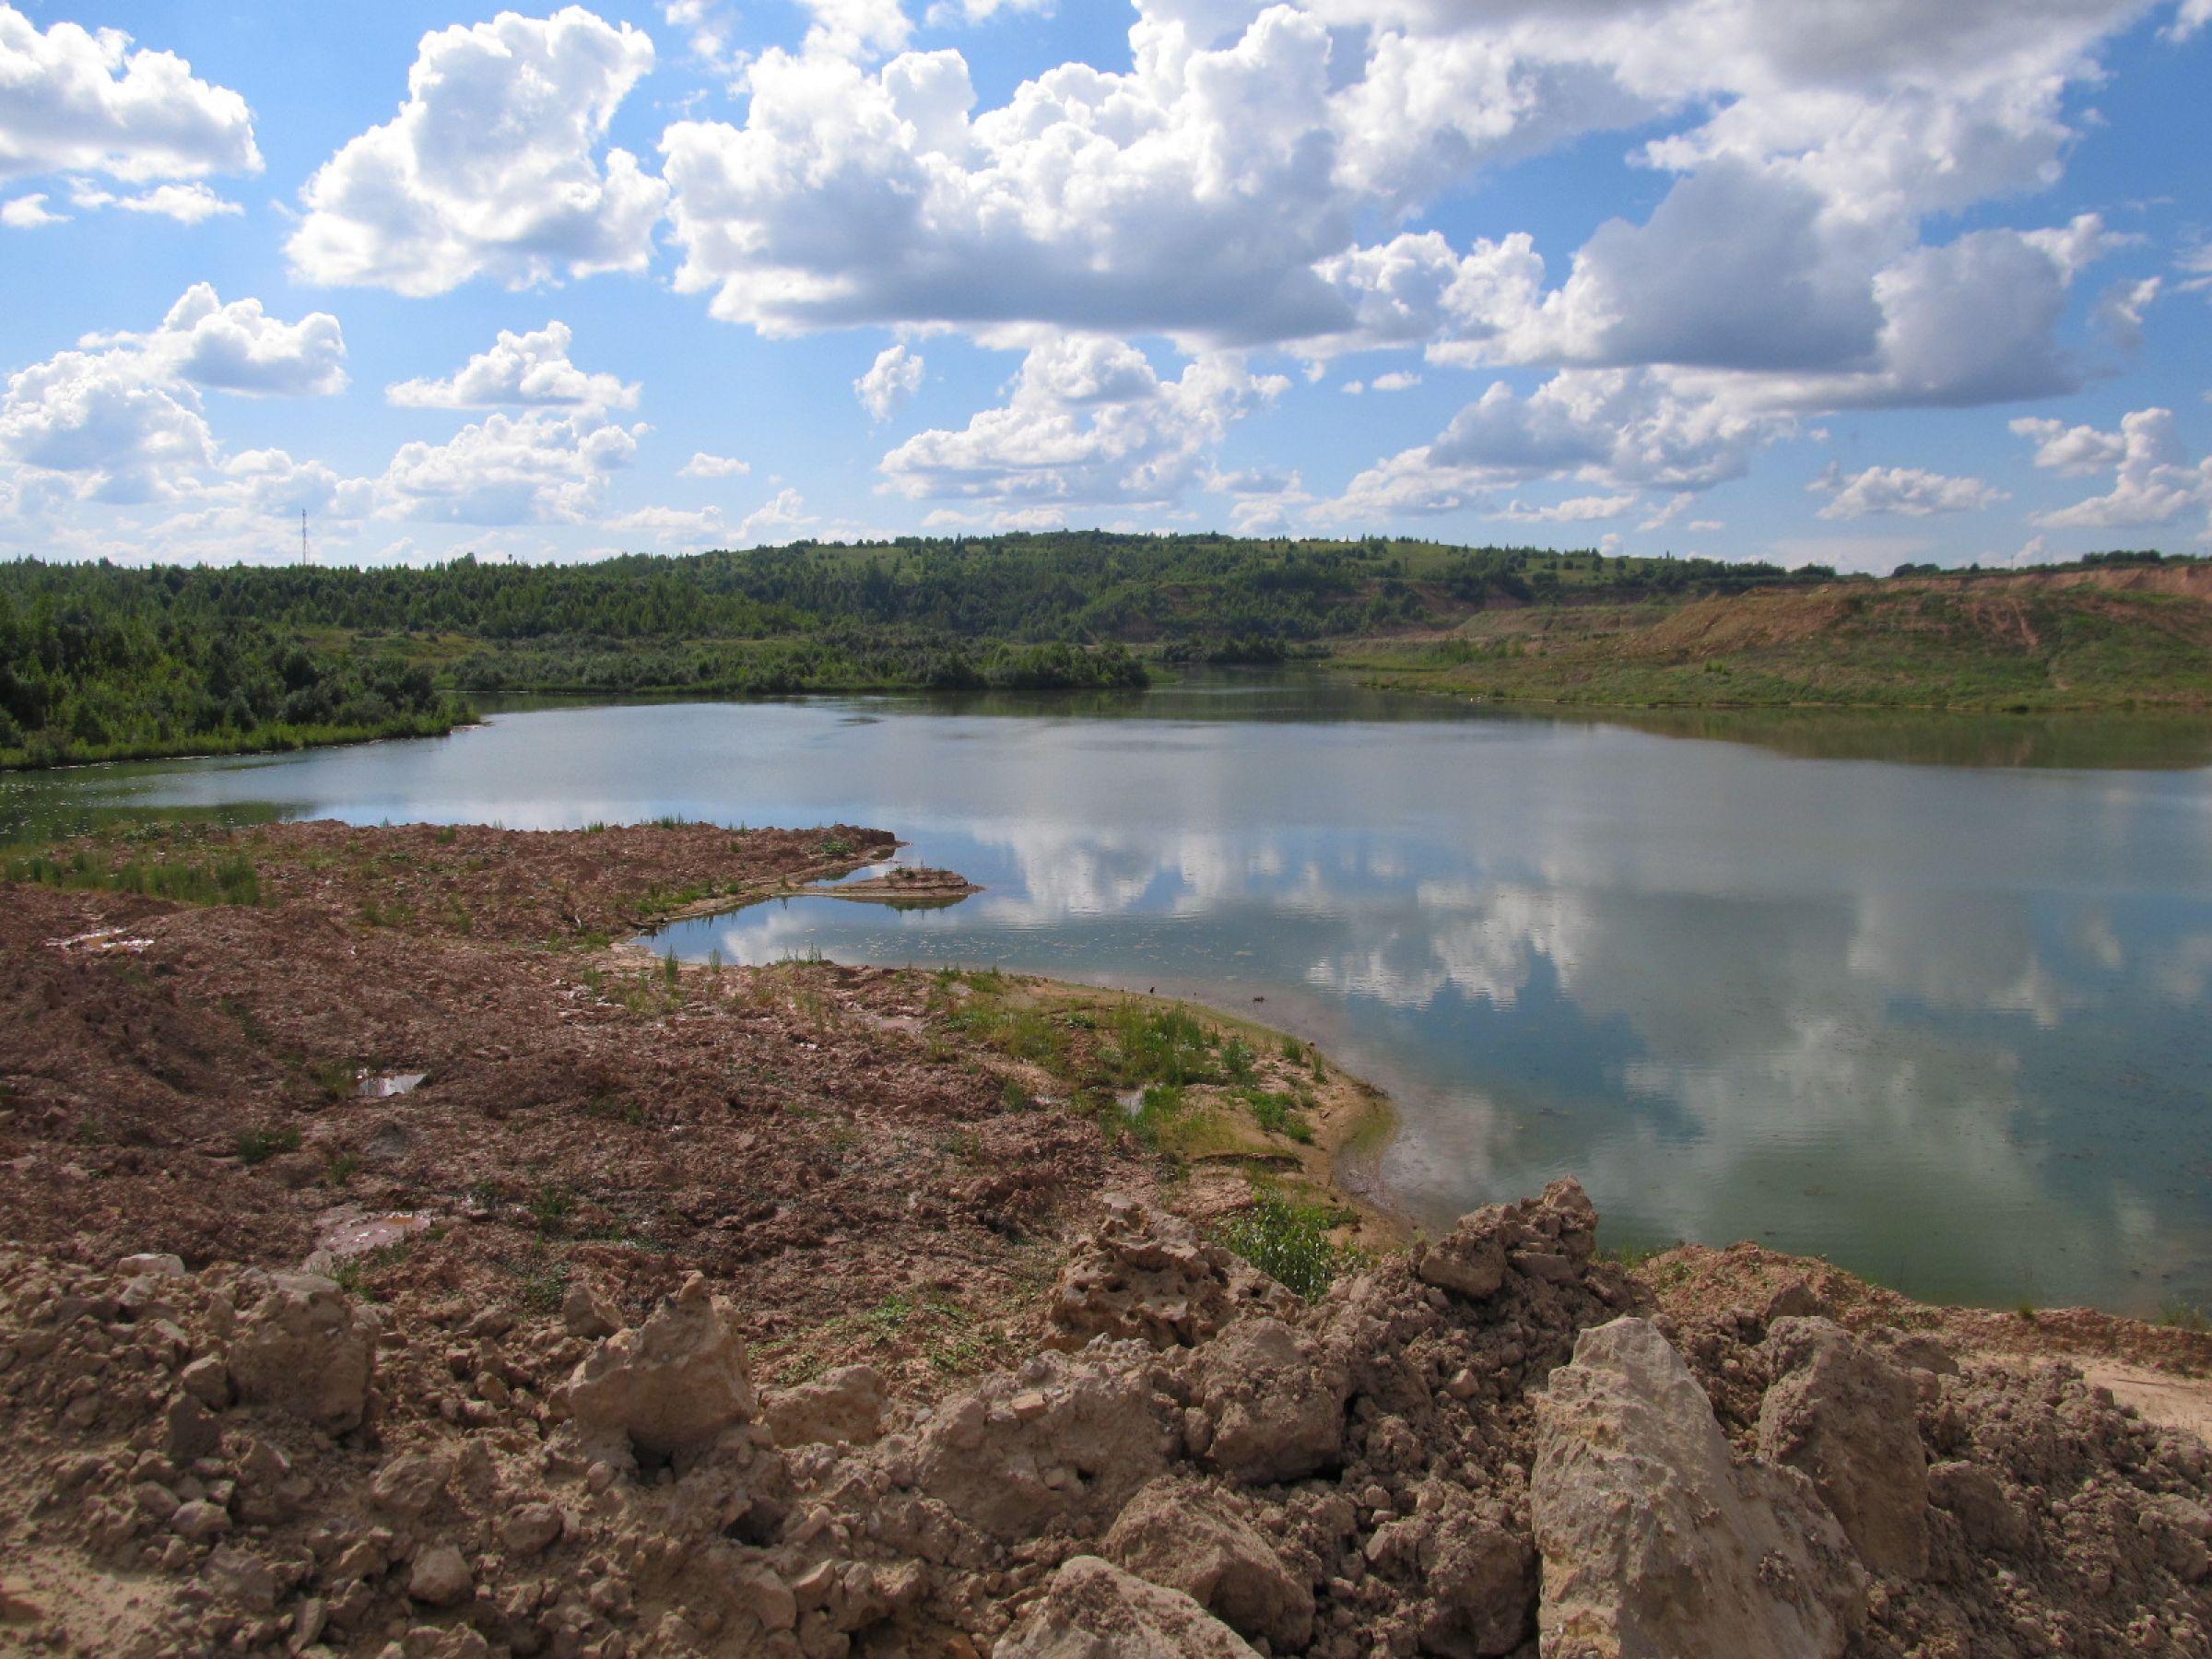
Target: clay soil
[[881, 1164]]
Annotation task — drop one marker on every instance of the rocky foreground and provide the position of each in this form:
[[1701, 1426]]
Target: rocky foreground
[[394, 1267], [1486, 1445]]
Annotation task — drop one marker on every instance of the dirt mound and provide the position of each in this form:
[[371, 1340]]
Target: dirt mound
[[1375, 1473]]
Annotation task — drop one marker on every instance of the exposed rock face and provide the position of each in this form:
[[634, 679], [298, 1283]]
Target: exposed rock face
[[1480, 1574], [1188, 1536], [585, 1313], [844, 1408], [668, 1387], [1062, 1439], [1845, 1417], [305, 1351], [1549, 1237], [1653, 1540], [1094, 1610], [1149, 1276], [1274, 1407]]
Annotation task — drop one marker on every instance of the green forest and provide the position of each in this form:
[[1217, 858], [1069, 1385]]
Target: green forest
[[104, 662]]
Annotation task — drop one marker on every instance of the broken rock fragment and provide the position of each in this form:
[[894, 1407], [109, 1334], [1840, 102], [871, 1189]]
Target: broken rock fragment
[[667, 1387], [1150, 1275], [305, 1349], [1843, 1415], [1094, 1610], [1653, 1540], [1188, 1536]]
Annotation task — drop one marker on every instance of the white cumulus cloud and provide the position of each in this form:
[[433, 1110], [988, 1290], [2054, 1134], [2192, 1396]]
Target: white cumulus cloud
[[1088, 420], [528, 370], [490, 167], [74, 99], [1900, 491], [704, 465], [895, 376]]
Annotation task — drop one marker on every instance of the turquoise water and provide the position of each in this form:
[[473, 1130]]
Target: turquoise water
[[1944, 1023]]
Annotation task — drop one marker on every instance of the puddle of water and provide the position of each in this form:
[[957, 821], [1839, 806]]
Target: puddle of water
[[351, 1232], [390, 1084]]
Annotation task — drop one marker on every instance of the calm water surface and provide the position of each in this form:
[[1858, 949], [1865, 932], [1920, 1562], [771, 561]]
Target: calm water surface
[[1838, 988]]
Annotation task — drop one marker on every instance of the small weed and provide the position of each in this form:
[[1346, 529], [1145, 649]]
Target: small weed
[[551, 1206], [253, 1145], [835, 846], [2027, 1312], [617, 1107], [335, 1078], [1289, 1242], [1237, 1060], [342, 1168], [1278, 1114], [545, 1288], [1013, 1097], [2184, 1316]]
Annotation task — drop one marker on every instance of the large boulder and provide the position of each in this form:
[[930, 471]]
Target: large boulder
[[1147, 1275], [1653, 1540], [1550, 1238], [1273, 1409], [1065, 1438], [1844, 1415], [1094, 1610], [844, 1407], [1188, 1536], [1477, 1574], [305, 1351], [668, 1387]]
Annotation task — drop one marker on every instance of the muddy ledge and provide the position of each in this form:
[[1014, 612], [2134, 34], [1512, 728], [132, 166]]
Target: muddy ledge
[[556, 1420]]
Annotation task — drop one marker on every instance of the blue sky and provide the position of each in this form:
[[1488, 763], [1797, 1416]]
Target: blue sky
[[1856, 281]]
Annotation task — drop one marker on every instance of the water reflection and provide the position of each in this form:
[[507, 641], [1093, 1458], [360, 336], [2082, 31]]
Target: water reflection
[[1941, 1023]]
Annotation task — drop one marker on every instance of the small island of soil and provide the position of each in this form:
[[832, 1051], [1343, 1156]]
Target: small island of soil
[[906, 884]]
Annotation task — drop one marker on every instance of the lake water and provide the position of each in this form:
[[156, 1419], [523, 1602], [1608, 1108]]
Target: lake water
[[1929, 998]]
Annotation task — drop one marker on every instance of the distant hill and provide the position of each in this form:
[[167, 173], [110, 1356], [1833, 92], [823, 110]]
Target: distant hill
[[101, 662], [2105, 636]]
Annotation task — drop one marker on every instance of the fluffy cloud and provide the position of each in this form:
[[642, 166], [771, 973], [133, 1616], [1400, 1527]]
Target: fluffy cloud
[[1193, 195], [1900, 491], [530, 370], [783, 513], [112, 430], [74, 99], [1088, 420], [489, 169], [536, 467], [2154, 481], [27, 212], [235, 348], [1579, 510], [187, 204], [895, 376], [119, 419], [704, 466], [1625, 429]]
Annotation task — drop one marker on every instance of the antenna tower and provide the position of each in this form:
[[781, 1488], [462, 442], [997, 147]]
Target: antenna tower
[[304, 561]]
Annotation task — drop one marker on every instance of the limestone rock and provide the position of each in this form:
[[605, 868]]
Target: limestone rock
[[1149, 1276], [305, 1351], [1064, 1437], [1187, 1536], [844, 1408], [1844, 1415], [1550, 1238], [1094, 1610], [1989, 1518], [1276, 1409], [1654, 1541], [669, 1386], [1480, 1577], [585, 1313], [441, 1578]]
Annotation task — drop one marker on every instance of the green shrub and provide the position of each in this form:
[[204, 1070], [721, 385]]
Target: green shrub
[[1291, 1243]]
